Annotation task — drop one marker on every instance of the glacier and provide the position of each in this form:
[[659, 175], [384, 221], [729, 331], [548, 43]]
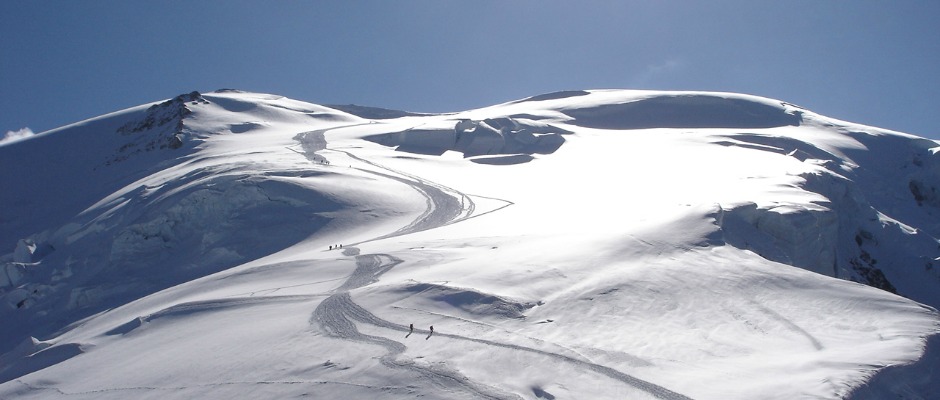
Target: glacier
[[579, 244]]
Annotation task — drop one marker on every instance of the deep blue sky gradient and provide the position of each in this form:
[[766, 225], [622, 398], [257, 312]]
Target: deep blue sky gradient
[[873, 62]]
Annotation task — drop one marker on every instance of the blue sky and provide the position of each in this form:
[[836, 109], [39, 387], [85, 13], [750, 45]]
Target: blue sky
[[873, 62]]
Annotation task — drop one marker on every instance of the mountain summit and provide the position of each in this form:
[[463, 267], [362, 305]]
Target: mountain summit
[[580, 244]]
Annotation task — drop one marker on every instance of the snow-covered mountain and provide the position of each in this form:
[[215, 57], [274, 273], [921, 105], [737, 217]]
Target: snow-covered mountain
[[583, 244]]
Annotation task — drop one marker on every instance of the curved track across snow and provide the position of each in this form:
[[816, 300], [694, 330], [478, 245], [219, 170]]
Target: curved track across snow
[[337, 313]]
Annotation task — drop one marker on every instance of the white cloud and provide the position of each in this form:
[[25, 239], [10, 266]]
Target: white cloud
[[13, 136]]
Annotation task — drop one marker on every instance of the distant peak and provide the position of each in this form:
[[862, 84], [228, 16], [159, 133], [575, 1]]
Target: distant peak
[[191, 96]]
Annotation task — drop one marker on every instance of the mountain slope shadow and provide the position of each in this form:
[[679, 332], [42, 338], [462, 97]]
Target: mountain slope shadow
[[684, 111], [158, 239], [25, 360]]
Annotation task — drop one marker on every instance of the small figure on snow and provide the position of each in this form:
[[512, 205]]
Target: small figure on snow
[[411, 328], [331, 247]]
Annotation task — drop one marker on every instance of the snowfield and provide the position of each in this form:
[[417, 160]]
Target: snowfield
[[602, 244]]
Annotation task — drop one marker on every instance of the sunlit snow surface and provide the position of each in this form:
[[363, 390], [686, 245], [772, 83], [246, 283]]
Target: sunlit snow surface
[[574, 245]]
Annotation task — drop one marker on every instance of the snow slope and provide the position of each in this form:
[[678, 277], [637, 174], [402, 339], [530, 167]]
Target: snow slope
[[582, 244]]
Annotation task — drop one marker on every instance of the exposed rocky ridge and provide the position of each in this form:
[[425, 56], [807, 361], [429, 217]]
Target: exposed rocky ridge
[[161, 128]]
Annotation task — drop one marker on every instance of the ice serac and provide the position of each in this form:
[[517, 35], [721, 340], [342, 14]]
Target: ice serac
[[798, 236], [57, 174], [491, 136], [584, 243], [866, 227], [144, 208]]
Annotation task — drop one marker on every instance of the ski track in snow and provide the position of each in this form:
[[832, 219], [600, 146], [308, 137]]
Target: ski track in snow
[[339, 317], [788, 324], [445, 206], [333, 315], [337, 312]]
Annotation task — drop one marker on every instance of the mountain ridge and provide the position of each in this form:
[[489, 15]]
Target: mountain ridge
[[623, 209]]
